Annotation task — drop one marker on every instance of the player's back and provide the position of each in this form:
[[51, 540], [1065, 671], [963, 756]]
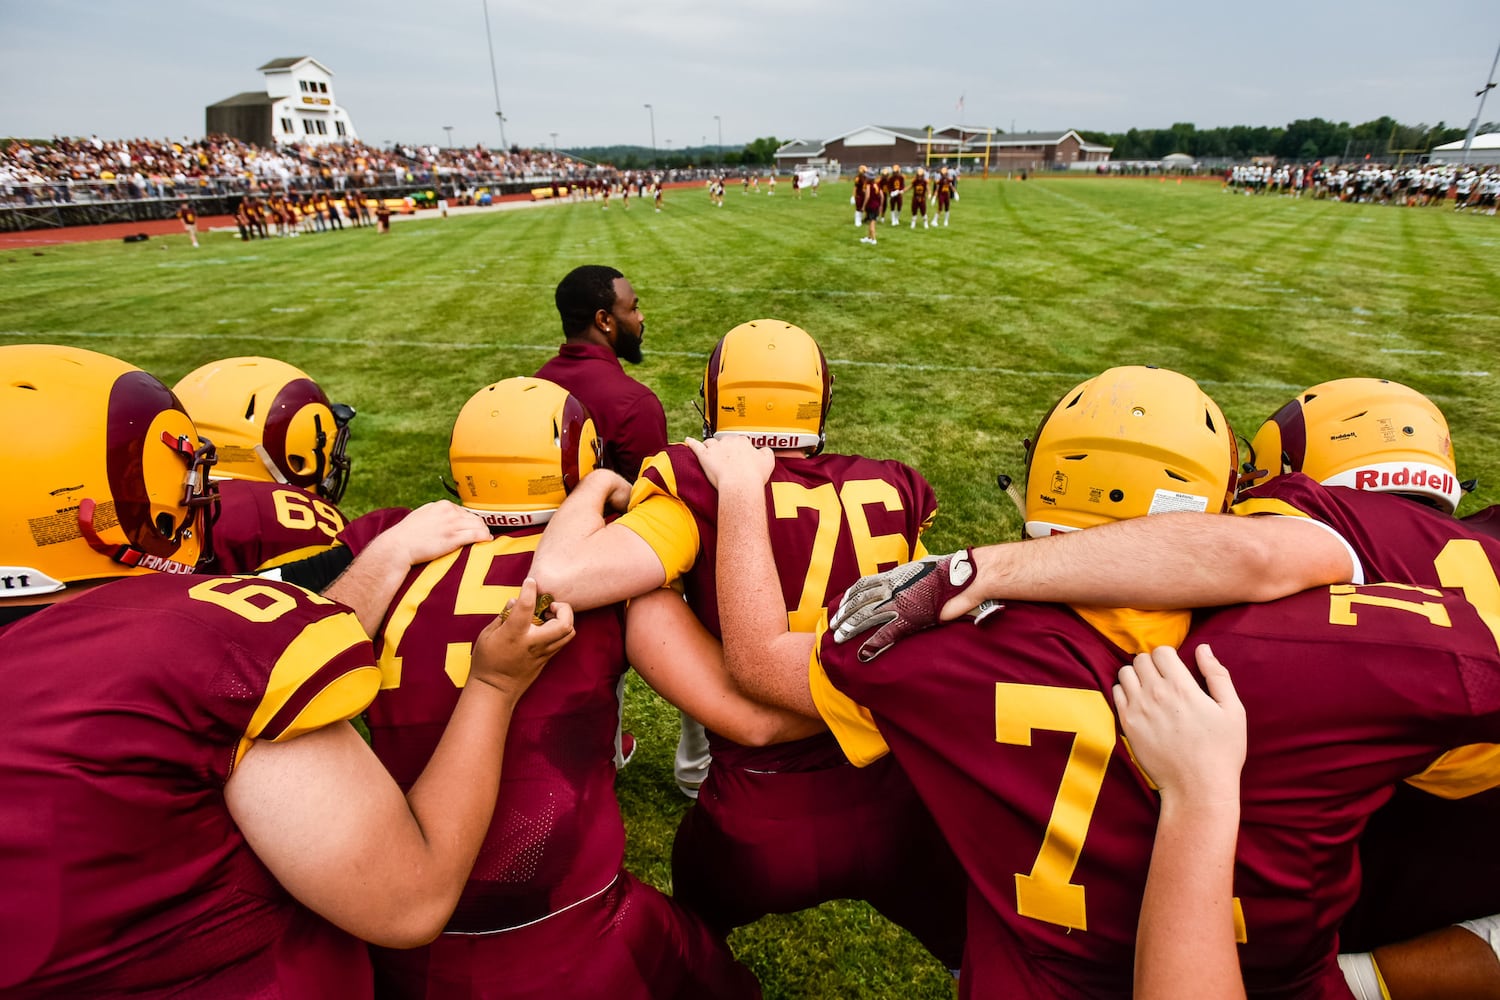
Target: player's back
[[832, 519], [557, 836], [1407, 889], [261, 525], [1008, 733], [129, 706]]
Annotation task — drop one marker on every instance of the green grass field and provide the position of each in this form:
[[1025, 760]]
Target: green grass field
[[947, 345]]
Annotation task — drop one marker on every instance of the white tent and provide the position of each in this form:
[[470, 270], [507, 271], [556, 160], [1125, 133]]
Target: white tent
[[1485, 150]]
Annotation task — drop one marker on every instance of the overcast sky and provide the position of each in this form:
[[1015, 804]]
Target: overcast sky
[[789, 68]]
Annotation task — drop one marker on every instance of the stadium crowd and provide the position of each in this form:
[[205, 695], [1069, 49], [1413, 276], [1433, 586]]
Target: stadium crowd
[[937, 735], [92, 169]]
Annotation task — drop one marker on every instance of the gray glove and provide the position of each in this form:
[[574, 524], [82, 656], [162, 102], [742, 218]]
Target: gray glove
[[904, 601]]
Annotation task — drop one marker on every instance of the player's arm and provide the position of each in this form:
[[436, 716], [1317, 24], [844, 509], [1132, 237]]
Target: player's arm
[[684, 663], [372, 579], [765, 658], [1165, 561], [1192, 745], [334, 829], [588, 561]]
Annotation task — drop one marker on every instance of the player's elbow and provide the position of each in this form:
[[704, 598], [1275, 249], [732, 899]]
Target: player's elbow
[[412, 924], [1289, 558]]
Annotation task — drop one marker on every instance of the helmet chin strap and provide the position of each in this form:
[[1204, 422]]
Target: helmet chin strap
[[265, 459], [125, 554]]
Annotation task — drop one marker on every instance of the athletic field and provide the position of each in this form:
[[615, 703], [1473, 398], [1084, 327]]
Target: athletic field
[[947, 346]]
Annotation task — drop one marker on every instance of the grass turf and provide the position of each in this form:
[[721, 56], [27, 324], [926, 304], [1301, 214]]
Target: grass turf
[[947, 346]]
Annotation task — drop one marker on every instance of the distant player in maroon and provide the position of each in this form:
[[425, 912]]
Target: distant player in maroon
[[945, 191], [602, 321], [873, 204], [1001, 724], [787, 826], [919, 197], [262, 525], [189, 217], [897, 190], [126, 874]]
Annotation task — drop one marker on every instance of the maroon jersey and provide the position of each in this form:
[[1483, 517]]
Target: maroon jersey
[[788, 826], [1410, 888], [628, 415], [128, 708], [557, 836], [1007, 730], [261, 525], [874, 200], [555, 847], [363, 530], [833, 519]]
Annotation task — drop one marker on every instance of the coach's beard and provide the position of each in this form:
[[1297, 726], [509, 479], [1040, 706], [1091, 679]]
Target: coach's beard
[[628, 345]]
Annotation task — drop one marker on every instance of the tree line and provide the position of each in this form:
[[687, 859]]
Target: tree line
[[761, 152], [1306, 139]]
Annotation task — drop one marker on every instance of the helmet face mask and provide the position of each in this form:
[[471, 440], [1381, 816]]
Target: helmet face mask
[[1130, 442], [1362, 433], [118, 488], [767, 380], [518, 448], [271, 424]]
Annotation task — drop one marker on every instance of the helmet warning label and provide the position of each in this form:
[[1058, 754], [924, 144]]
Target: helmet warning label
[[63, 526], [1164, 501], [809, 411], [544, 485]]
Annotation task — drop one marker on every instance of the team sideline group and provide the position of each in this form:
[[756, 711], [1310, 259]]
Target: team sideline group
[[1006, 750]]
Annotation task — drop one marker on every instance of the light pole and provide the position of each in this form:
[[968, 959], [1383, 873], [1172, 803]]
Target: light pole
[[554, 144], [1482, 93], [720, 123], [494, 78], [449, 130], [652, 112]]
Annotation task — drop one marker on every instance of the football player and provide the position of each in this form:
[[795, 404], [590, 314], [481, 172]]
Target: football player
[[897, 187], [183, 808], [1047, 674], [772, 828], [861, 179], [281, 468], [946, 185], [919, 197], [550, 873], [1342, 462]]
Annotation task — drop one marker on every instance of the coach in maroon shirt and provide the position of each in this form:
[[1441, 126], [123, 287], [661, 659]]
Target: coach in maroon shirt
[[601, 317]]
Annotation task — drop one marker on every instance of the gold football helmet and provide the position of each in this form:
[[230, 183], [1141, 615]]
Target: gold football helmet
[[1364, 433], [1128, 442], [270, 423], [518, 447], [106, 475], [767, 380]]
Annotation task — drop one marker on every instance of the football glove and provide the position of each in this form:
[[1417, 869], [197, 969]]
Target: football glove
[[904, 601]]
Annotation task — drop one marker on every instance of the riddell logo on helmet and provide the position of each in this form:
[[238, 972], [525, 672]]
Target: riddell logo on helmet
[[775, 440], [506, 519], [1372, 479]]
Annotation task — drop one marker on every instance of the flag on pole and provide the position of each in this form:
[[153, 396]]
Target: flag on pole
[[960, 103]]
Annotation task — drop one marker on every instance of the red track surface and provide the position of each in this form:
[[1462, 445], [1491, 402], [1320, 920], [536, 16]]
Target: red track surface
[[111, 231]]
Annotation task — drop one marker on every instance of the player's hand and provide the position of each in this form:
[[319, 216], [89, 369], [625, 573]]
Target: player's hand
[[1189, 742], [903, 601], [514, 647], [431, 531], [733, 459], [613, 489]]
